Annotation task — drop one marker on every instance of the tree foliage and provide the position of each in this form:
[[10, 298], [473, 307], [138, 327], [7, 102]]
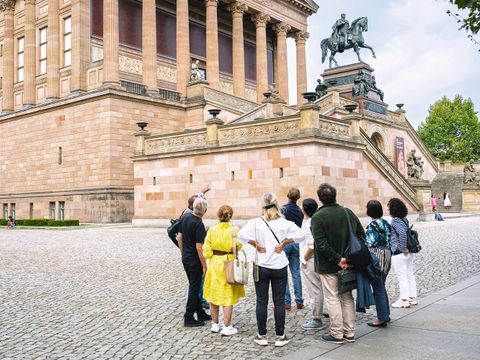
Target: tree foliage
[[471, 23], [452, 130]]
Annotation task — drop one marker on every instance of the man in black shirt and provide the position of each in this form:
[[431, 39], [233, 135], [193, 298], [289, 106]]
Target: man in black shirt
[[293, 213], [191, 248]]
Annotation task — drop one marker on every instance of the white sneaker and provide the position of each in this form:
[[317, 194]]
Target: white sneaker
[[216, 327], [413, 301], [401, 304], [281, 341], [228, 331], [260, 340]]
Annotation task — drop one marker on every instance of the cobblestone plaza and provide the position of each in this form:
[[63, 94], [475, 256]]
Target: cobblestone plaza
[[119, 293]]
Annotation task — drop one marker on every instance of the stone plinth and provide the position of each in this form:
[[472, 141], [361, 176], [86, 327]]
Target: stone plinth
[[471, 197], [342, 79], [423, 190]]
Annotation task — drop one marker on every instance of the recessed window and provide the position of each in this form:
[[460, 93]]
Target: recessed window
[[250, 175], [61, 214], [154, 180], [12, 211], [67, 41], [281, 172], [233, 175], [52, 209], [5, 211], [42, 66], [21, 59], [30, 212], [191, 178], [60, 155]]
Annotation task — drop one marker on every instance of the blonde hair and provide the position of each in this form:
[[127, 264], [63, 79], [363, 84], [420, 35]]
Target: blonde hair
[[225, 213], [270, 208]]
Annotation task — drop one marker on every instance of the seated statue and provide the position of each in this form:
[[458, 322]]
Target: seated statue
[[195, 74], [320, 89], [414, 165], [469, 174], [361, 85]]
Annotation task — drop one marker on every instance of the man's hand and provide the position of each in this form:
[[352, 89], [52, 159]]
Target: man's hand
[[260, 249], [207, 189], [204, 270], [279, 248], [343, 263]]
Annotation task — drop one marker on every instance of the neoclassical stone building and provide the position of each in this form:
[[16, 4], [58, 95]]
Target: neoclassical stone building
[[77, 75]]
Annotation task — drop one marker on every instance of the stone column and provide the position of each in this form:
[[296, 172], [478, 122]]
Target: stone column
[[183, 47], [260, 21], [80, 44], [149, 46], [8, 57], [53, 51], [300, 39], [111, 76], [238, 48], [282, 62], [29, 97], [213, 68]]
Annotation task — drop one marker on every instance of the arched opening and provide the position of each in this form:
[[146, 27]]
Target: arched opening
[[378, 141]]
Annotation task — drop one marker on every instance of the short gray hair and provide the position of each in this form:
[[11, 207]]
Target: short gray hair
[[200, 206]]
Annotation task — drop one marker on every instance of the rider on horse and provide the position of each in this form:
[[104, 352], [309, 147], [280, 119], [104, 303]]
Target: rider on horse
[[340, 31]]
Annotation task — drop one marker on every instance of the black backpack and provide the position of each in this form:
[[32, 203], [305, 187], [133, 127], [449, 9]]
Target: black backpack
[[174, 229], [413, 245]]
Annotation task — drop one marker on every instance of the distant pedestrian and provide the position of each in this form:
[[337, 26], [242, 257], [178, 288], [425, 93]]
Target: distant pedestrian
[[402, 259], [331, 235], [312, 279], [194, 263], [378, 237], [11, 223], [447, 204], [292, 212], [217, 249], [433, 202], [269, 234]]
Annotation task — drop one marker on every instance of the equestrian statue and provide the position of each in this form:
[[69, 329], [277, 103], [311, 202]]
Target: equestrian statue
[[345, 37]]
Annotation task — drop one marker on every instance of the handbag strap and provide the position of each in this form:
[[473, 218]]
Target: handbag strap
[[234, 241], [348, 220], [266, 223]]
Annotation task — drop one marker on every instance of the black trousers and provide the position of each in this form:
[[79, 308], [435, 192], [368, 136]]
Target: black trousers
[[194, 275], [278, 279]]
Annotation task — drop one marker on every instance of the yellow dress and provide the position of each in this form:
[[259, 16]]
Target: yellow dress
[[216, 289]]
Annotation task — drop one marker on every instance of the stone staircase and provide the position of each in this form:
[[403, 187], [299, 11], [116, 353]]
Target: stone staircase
[[453, 184], [385, 166]]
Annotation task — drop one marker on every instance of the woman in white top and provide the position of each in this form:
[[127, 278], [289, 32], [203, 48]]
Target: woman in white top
[[312, 279], [447, 204], [269, 234]]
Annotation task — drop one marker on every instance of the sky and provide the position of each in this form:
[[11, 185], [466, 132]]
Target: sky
[[421, 55]]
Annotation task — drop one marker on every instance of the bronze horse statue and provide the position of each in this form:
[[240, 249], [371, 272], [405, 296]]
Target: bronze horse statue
[[354, 40]]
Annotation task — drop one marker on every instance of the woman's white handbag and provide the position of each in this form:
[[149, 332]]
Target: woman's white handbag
[[236, 270]]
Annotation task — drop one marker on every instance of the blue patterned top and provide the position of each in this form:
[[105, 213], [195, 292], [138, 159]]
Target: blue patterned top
[[379, 234]]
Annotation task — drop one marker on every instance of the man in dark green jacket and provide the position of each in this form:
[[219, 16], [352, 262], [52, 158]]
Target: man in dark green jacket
[[331, 235]]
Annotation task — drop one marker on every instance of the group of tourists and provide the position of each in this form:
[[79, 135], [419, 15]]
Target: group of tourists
[[310, 240]]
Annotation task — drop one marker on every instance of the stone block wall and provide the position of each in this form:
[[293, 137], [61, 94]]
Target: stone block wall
[[239, 178]]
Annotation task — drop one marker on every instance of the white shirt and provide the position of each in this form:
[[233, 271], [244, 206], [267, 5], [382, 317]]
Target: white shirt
[[307, 243], [256, 229]]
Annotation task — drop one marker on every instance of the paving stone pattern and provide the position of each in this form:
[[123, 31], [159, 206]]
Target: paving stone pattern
[[119, 293]]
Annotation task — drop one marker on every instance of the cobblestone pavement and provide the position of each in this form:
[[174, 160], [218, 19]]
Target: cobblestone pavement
[[119, 292]]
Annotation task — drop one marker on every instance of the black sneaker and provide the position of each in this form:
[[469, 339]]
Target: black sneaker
[[204, 317], [330, 339], [193, 322]]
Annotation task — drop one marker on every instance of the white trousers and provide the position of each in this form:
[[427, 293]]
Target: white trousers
[[403, 267]]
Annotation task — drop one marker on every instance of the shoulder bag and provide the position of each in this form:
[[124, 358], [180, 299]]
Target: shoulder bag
[[357, 252], [347, 280], [413, 245], [236, 270]]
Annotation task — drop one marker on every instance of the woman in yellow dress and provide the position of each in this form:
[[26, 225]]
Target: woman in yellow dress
[[218, 247]]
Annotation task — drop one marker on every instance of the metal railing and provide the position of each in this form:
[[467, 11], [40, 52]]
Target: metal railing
[[132, 87], [168, 95]]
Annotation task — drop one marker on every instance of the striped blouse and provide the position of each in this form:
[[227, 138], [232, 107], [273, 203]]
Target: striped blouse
[[399, 234]]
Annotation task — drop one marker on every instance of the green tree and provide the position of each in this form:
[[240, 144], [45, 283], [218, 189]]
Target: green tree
[[452, 130], [471, 22]]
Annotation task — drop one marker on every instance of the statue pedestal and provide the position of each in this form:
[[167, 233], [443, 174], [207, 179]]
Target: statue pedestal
[[195, 88], [471, 198], [423, 190], [342, 79]]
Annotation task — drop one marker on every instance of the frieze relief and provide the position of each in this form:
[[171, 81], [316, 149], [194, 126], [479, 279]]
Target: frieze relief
[[257, 133], [251, 94], [130, 65], [226, 87], [394, 116], [334, 129], [175, 143], [166, 73], [229, 100]]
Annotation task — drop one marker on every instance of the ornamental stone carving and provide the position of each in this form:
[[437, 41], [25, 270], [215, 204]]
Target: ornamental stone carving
[[233, 102], [175, 143], [260, 132], [166, 73], [333, 129], [130, 65], [301, 36], [260, 19], [238, 8], [7, 5], [282, 28]]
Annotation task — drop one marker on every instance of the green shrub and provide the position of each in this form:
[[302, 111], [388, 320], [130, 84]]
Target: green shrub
[[3, 222], [63, 222], [42, 222]]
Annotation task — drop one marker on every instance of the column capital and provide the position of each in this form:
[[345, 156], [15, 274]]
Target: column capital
[[260, 19], [237, 8], [211, 3], [282, 28], [29, 2], [7, 5], [301, 36]]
